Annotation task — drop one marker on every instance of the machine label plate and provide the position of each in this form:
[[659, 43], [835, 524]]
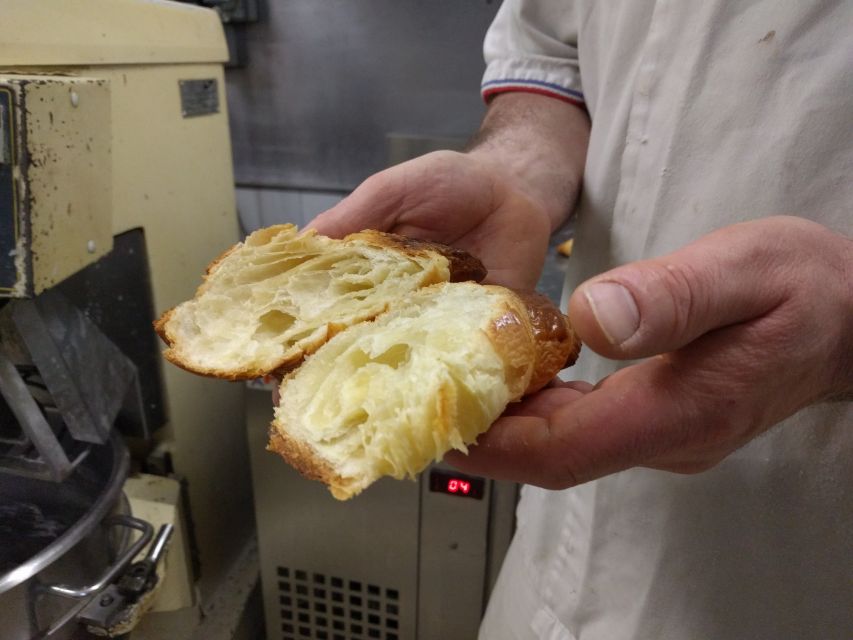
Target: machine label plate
[[8, 203], [199, 97]]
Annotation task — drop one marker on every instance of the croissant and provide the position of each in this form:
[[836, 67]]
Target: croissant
[[431, 374], [268, 302], [390, 355]]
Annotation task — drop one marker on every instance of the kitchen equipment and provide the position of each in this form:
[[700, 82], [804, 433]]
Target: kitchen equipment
[[116, 191], [117, 608], [59, 543], [402, 561], [64, 383]]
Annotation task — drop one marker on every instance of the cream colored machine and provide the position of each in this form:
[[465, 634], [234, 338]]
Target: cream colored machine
[[113, 124], [112, 120]]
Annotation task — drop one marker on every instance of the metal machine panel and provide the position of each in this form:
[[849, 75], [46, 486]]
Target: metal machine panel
[[453, 554], [401, 561], [56, 193], [115, 294], [172, 177], [332, 569]]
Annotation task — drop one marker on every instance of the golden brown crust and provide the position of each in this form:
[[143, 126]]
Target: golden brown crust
[[535, 340], [160, 326], [305, 460], [511, 336], [557, 344]]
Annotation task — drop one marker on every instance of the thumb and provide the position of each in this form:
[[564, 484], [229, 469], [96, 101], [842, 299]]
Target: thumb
[[655, 306], [374, 204]]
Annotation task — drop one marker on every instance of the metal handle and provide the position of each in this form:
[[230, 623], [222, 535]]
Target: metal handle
[[159, 544], [117, 567]]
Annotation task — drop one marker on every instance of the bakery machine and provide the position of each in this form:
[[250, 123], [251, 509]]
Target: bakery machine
[[115, 191], [404, 560]]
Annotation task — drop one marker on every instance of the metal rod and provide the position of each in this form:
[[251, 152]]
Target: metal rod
[[117, 567]]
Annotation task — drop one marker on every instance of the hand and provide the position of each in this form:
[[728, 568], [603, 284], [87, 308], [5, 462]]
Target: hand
[[753, 323], [457, 199]]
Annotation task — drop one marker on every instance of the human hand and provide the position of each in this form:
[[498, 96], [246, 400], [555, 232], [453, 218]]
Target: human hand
[[456, 199], [752, 323]]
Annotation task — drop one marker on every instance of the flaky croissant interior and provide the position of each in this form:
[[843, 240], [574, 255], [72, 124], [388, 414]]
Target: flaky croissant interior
[[389, 396], [270, 301]]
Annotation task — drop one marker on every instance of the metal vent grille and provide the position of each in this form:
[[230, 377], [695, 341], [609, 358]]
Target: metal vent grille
[[315, 606]]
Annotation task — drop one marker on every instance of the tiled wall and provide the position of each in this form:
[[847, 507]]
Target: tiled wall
[[263, 207]]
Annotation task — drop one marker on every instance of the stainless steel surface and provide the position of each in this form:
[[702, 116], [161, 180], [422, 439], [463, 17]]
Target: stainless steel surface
[[556, 265], [115, 602], [328, 565], [397, 560], [116, 567], [86, 375], [61, 540], [453, 558], [63, 380], [402, 147], [34, 451], [101, 612], [327, 81], [112, 461], [124, 276], [158, 547], [501, 529]]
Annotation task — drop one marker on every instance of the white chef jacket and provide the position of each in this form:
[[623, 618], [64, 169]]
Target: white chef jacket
[[703, 114]]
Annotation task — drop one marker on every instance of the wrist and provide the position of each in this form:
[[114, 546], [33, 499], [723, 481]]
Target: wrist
[[537, 145]]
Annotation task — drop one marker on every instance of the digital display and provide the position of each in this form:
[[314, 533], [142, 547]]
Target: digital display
[[455, 484]]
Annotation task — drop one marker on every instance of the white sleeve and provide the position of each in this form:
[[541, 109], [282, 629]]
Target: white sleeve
[[532, 46]]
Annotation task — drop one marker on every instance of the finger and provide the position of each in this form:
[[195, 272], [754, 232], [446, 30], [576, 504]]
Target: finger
[[659, 305], [578, 385], [546, 401], [507, 451], [416, 198], [375, 204], [633, 418], [682, 412], [510, 448]]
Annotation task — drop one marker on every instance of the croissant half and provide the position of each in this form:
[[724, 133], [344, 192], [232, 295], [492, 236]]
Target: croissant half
[[392, 357], [267, 302], [431, 374]]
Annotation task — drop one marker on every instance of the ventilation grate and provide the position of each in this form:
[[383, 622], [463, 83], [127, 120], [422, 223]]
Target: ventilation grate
[[315, 606]]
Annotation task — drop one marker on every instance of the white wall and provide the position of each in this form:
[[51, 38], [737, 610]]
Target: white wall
[[264, 207]]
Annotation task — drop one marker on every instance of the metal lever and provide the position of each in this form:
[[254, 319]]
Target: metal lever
[[83, 592], [113, 608], [141, 575]]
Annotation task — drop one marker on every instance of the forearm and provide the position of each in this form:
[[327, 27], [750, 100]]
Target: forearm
[[540, 143]]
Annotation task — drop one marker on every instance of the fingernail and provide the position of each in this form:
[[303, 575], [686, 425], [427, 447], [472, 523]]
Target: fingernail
[[615, 310]]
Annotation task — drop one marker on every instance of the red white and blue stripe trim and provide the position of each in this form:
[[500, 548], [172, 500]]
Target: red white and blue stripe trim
[[493, 87]]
